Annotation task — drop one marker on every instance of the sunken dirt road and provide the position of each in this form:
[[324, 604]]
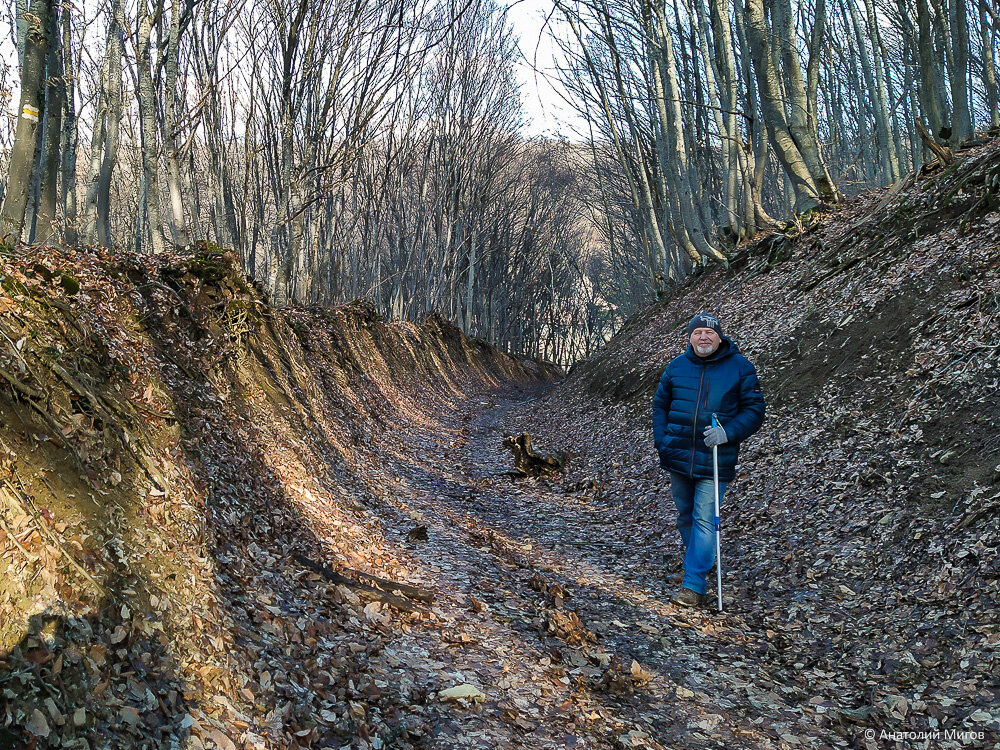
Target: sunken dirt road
[[556, 605]]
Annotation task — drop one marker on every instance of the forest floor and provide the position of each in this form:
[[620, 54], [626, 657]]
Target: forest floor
[[555, 602]]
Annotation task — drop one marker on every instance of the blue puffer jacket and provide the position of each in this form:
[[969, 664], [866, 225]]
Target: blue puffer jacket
[[691, 389]]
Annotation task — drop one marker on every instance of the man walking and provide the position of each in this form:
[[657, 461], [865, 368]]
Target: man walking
[[711, 377]]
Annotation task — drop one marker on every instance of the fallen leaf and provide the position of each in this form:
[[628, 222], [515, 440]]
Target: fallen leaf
[[467, 691]]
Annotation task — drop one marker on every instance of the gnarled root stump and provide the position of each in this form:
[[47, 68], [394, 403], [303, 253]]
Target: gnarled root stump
[[531, 464]]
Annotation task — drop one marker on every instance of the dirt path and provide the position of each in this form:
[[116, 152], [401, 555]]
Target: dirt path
[[514, 563]]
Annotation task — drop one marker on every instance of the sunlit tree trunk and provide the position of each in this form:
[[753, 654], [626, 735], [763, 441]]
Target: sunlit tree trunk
[[112, 120], [178, 228], [22, 155], [150, 191], [69, 135], [46, 229]]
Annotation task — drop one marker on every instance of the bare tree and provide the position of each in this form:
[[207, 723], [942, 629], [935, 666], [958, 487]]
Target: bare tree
[[22, 156]]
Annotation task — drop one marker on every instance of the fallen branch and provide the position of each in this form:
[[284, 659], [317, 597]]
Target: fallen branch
[[23, 388], [371, 591], [411, 591]]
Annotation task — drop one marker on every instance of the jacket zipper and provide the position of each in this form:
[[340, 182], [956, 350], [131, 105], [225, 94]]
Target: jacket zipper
[[694, 425]]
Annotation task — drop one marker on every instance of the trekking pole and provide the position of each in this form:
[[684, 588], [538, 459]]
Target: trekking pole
[[718, 518]]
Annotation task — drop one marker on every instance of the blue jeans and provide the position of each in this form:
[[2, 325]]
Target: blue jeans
[[695, 501]]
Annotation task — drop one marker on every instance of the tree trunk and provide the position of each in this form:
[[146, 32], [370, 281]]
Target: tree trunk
[[988, 37], [884, 66], [799, 125], [46, 229], [98, 136], [150, 198], [876, 95], [754, 153], [812, 67], [470, 285], [720, 68], [20, 30], [668, 103], [929, 81], [806, 195], [961, 119], [178, 230], [943, 61], [69, 135], [113, 91], [22, 155]]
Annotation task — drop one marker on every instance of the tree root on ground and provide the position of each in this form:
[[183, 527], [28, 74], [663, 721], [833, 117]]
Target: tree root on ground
[[369, 591]]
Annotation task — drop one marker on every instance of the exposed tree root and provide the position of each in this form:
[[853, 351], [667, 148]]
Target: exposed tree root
[[369, 591]]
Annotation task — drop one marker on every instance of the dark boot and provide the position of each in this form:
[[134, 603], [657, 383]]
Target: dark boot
[[688, 598]]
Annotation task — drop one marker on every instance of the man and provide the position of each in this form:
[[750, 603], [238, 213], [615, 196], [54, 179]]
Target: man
[[711, 377]]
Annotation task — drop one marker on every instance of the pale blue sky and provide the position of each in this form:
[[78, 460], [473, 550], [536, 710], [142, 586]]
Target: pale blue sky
[[541, 103]]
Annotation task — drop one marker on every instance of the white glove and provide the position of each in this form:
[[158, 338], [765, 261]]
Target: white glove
[[715, 436]]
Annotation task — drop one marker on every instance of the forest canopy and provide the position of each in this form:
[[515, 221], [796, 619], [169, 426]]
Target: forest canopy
[[376, 150]]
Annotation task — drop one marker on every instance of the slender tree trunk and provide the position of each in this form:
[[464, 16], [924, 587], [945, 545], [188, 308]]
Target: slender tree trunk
[[988, 37], [69, 135], [470, 285], [147, 113], [178, 229], [116, 52], [669, 105], [799, 125], [812, 67], [884, 66], [754, 154], [944, 61], [647, 202], [46, 229], [22, 155], [97, 142], [961, 119], [725, 68], [929, 80], [876, 95]]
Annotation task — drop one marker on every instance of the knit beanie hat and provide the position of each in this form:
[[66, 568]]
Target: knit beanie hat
[[705, 320]]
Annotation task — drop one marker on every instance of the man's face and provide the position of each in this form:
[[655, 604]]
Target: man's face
[[705, 341]]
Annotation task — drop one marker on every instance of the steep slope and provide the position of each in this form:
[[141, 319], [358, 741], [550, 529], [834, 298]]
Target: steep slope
[[861, 535], [168, 444]]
